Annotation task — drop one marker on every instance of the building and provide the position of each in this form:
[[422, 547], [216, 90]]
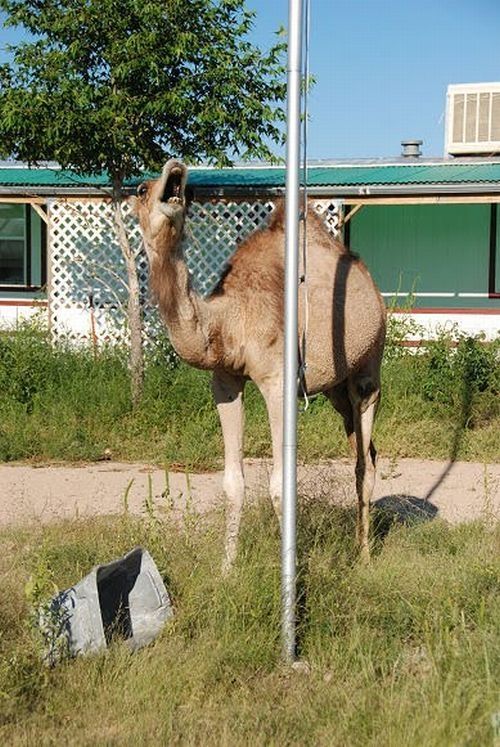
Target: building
[[428, 230]]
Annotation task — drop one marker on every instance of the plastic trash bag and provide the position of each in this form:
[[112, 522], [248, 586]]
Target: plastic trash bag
[[124, 599]]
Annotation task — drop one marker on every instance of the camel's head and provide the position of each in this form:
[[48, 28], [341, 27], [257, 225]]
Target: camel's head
[[161, 208]]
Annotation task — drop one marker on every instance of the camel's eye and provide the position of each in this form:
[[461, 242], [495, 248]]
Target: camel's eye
[[142, 190]]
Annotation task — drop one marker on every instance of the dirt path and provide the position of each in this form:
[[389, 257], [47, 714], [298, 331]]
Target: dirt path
[[457, 492]]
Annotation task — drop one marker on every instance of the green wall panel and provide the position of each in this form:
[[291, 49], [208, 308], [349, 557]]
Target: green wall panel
[[431, 249]]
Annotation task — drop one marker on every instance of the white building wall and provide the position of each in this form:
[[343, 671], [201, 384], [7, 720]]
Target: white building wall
[[13, 313], [431, 324]]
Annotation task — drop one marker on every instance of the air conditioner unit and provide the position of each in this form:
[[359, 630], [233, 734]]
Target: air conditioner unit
[[473, 119]]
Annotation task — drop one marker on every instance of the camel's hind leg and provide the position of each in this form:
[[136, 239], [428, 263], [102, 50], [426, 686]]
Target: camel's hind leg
[[339, 397], [228, 394], [357, 402]]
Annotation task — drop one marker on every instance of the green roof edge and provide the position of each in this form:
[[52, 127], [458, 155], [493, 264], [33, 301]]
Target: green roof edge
[[344, 175]]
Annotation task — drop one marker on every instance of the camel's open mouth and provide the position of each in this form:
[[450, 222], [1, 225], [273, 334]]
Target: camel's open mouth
[[174, 175]]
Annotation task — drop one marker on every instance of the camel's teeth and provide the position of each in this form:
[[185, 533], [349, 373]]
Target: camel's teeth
[[175, 200]]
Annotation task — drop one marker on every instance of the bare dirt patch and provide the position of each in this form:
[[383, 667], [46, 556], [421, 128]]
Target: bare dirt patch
[[455, 491]]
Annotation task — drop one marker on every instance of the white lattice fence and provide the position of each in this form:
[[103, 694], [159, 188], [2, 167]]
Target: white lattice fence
[[86, 262], [331, 211]]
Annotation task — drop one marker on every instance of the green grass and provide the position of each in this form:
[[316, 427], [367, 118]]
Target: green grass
[[403, 652], [64, 404]]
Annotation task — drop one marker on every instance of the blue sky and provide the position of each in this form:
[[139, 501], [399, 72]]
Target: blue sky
[[382, 68]]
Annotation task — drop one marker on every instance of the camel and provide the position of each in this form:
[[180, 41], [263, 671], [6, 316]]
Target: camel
[[237, 332]]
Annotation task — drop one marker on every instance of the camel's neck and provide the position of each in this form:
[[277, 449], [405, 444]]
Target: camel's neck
[[184, 312]]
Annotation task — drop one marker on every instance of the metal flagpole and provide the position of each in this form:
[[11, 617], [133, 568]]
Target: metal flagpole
[[288, 540]]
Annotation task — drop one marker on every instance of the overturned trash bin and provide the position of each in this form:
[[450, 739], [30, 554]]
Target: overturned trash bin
[[124, 599]]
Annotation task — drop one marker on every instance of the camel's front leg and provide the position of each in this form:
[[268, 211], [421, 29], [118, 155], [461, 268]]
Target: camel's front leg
[[272, 391], [228, 393]]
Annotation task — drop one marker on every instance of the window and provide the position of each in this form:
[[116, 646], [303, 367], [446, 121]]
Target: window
[[22, 247]]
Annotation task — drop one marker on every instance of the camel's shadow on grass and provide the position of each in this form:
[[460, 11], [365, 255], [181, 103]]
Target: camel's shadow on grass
[[322, 524]]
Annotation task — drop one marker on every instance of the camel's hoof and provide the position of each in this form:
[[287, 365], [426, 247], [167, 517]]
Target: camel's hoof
[[364, 555], [301, 667]]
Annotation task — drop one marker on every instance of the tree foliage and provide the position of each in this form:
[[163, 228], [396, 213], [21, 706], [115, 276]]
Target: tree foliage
[[117, 86]]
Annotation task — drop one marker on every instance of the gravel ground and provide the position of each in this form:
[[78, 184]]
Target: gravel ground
[[455, 491]]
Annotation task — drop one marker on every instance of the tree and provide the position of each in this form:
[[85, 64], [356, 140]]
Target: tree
[[117, 86]]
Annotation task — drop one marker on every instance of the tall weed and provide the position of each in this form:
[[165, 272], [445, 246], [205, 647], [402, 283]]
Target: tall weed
[[401, 327], [403, 652], [460, 366], [58, 402]]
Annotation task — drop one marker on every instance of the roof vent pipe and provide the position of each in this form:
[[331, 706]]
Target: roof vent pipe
[[411, 148]]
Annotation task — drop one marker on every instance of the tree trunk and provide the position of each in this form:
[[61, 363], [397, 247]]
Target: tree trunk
[[134, 314]]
